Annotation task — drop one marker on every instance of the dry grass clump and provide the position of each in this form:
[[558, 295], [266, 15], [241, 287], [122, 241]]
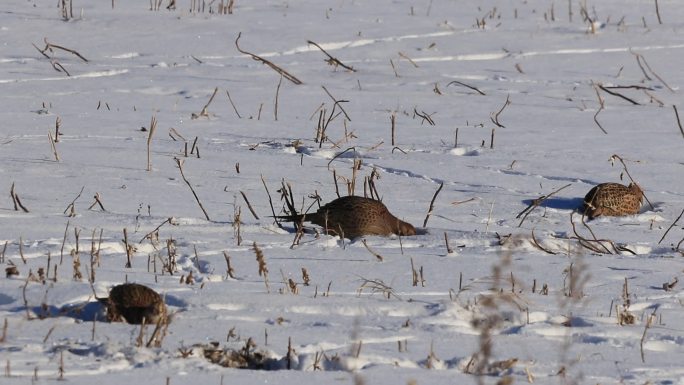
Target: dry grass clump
[[261, 261], [248, 357]]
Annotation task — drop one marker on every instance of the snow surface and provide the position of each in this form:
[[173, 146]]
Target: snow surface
[[360, 319]]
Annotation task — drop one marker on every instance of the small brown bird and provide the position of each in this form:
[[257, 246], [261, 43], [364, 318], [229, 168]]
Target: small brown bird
[[613, 199], [132, 302], [354, 216]]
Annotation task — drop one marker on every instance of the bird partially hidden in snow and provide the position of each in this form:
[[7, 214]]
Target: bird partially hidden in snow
[[133, 303], [354, 216], [613, 199]]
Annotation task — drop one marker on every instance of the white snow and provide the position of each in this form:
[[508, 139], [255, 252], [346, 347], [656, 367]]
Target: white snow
[[551, 317]]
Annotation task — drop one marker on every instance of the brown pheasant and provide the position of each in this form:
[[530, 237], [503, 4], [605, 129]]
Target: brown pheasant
[[613, 199], [354, 216], [132, 302]]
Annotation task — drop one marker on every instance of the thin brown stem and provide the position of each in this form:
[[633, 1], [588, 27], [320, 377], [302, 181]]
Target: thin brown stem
[[275, 110], [495, 118], [536, 202], [467, 86], [432, 204], [205, 112], [333, 61], [249, 206], [274, 67], [671, 226], [179, 162], [233, 104], [619, 95], [679, 122]]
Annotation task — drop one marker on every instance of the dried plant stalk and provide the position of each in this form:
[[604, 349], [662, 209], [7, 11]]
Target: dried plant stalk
[[602, 106], [205, 112], [657, 10], [98, 201], [467, 86], [446, 242], [3, 337], [129, 249], [539, 246], [274, 67], [51, 47], [229, 269], [404, 56], [16, 200], [179, 162], [378, 256], [640, 58], [679, 122], [495, 117], [671, 226], [249, 206], [333, 61], [52, 145], [432, 204], [156, 229], [2, 254], [414, 274], [393, 119], [233, 104], [535, 203], [153, 127], [237, 222], [261, 261], [270, 201], [275, 109], [71, 208], [21, 250], [649, 322], [338, 103]]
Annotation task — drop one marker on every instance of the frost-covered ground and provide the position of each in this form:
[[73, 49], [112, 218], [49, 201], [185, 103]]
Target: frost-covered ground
[[548, 318]]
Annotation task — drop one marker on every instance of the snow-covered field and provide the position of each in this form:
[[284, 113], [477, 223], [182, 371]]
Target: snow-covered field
[[524, 299]]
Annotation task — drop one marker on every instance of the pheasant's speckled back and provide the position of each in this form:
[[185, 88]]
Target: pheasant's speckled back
[[613, 199], [132, 302], [356, 216]]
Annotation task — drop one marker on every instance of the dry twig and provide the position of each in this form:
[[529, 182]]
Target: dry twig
[[649, 322], [432, 204], [539, 246], [378, 256], [205, 112], [98, 201], [249, 206], [71, 207], [679, 122], [274, 67], [333, 61], [467, 86], [619, 95], [179, 162], [495, 117], [602, 106], [153, 127], [640, 58], [671, 226], [536, 202], [16, 200], [233, 104], [51, 47], [54, 147]]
